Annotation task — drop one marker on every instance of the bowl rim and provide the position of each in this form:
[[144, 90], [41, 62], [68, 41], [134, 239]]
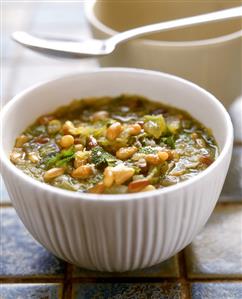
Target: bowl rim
[[4, 159], [92, 18]]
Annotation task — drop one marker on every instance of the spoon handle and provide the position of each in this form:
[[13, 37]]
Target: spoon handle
[[179, 23]]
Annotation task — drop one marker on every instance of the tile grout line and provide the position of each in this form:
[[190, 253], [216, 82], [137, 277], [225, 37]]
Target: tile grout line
[[146, 279], [229, 203], [222, 279], [67, 286], [183, 275], [30, 279], [6, 205], [238, 143], [46, 279]]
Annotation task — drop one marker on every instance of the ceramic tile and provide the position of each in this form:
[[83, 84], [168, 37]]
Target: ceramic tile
[[216, 290], [232, 190], [168, 268], [216, 251], [29, 75], [58, 13], [21, 254], [4, 198], [3, 190], [31, 291], [127, 291], [15, 17], [6, 80]]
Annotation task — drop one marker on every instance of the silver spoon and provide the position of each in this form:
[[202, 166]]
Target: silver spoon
[[96, 47]]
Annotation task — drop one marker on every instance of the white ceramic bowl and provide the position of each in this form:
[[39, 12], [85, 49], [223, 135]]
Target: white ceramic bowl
[[209, 55], [115, 232]]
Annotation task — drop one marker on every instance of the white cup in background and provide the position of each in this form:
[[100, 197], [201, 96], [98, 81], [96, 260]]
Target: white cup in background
[[209, 54]]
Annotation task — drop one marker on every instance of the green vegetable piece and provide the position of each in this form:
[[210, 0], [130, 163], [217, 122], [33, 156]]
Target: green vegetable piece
[[173, 125], [100, 157], [62, 158], [36, 130], [54, 126], [170, 141], [155, 125]]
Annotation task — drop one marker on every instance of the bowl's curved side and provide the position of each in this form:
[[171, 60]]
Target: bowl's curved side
[[122, 235], [123, 232]]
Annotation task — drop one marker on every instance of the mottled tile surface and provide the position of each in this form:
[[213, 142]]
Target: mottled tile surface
[[7, 73], [217, 250], [4, 197], [35, 73], [232, 189], [15, 16], [21, 254], [31, 291], [216, 290], [127, 291], [168, 268]]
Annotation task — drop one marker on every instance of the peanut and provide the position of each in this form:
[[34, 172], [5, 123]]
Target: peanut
[[81, 158], [21, 140], [153, 159], [122, 174], [83, 172], [148, 188], [68, 125], [98, 188], [138, 185], [174, 155], [134, 129], [194, 135], [100, 115], [126, 152], [78, 147], [163, 156], [108, 177], [53, 173], [114, 130], [66, 141], [206, 160]]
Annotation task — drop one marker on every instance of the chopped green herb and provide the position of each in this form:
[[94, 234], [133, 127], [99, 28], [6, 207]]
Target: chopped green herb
[[170, 141], [101, 158], [61, 159]]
